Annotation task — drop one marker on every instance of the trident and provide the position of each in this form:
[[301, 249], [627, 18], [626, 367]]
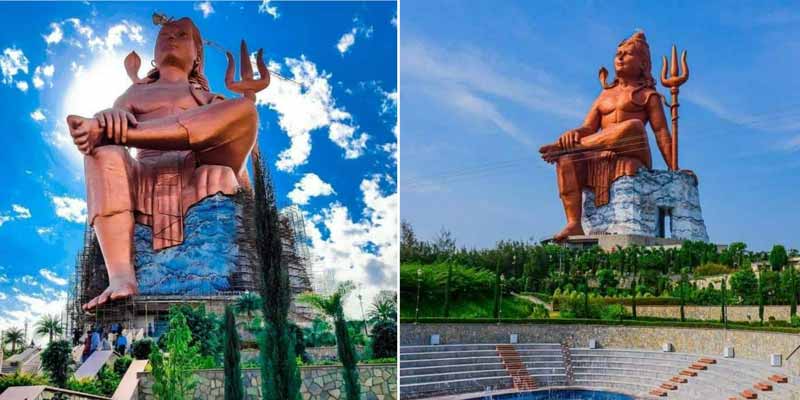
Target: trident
[[673, 82]]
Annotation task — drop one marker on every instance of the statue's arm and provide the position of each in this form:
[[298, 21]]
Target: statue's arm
[[116, 120], [591, 124], [658, 120]]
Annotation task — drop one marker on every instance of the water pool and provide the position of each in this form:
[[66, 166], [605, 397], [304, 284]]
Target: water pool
[[561, 394]]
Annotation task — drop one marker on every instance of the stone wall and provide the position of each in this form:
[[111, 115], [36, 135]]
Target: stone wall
[[319, 383], [327, 352], [706, 313], [752, 345]]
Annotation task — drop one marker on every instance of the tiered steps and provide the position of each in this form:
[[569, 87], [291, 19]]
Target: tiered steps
[[645, 372], [427, 371], [513, 364]]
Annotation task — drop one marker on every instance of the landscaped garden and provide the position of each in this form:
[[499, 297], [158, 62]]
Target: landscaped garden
[[516, 281]]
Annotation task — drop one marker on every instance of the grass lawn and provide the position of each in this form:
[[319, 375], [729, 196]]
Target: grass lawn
[[476, 307]]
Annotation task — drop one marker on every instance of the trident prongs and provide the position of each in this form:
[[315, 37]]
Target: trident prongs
[[673, 82]]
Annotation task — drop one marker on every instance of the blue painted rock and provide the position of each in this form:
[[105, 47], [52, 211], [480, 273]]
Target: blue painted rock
[[206, 261]]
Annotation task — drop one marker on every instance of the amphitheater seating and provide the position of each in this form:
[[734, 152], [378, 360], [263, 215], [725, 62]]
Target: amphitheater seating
[[427, 371], [645, 372], [445, 369]]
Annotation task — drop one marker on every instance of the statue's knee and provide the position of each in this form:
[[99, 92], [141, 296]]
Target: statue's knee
[[111, 154]]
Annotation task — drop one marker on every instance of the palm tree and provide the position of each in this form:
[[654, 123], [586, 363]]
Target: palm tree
[[332, 307], [248, 303], [319, 333], [384, 308], [16, 337], [49, 325]]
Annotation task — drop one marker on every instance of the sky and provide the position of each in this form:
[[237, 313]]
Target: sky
[[329, 137], [484, 86]]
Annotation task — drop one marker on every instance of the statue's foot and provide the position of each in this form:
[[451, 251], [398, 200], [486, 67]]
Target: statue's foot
[[551, 152], [119, 288], [572, 229]]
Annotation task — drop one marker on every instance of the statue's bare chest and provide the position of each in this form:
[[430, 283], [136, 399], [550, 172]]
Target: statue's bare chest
[[617, 106], [151, 101]]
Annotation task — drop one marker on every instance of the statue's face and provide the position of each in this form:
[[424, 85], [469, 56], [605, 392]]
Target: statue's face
[[628, 62], [175, 45]]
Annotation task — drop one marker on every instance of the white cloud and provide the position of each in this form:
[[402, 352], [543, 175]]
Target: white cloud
[[266, 8], [70, 209], [31, 307], [22, 85], [44, 230], [304, 108], [204, 7], [347, 40], [365, 250], [22, 212], [393, 21], [309, 186], [43, 73], [37, 115], [5, 218], [52, 277], [344, 136], [29, 280], [12, 61], [55, 36]]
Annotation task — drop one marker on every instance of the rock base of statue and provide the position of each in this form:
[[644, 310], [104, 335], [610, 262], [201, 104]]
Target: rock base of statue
[[208, 262], [652, 203]]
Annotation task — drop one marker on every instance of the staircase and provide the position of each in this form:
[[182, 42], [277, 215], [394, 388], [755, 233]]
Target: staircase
[[512, 362]]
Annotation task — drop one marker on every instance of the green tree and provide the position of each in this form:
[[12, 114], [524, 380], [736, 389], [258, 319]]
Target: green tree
[[280, 376], [173, 370], [384, 340], [248, 304], [496, 312], [447, 289], [234, 390], [744, 285], [383, 308], [57, 361], [760, 293], [332, 306], [16, 337], [607, 280], [778, 257], [49, 326]]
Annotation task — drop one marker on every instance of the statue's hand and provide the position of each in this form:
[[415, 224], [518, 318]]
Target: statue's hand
[[569, 140], [86, 133], [247, 85], [115, 122]]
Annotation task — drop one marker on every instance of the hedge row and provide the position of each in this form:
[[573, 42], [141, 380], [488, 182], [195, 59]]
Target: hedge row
[[627, 322]]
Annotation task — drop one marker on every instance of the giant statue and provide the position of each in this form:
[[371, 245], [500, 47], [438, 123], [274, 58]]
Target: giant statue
[[612, 141], [191, 144]]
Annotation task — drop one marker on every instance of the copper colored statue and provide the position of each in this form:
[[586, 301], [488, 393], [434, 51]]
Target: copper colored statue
[[191, 144], [612, 142]]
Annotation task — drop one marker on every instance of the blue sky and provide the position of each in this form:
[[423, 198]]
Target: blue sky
[[330, 138], [484, 86]]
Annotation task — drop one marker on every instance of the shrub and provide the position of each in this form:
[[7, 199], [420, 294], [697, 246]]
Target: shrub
[[384, 340], [142, 348], [85, 385], [711, 269], [21, 379], [614, 312], [121, 364]]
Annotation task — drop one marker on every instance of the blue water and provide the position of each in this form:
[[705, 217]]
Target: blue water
[[565, 394]]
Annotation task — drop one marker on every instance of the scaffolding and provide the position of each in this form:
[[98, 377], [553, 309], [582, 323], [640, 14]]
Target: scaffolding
[[296, 255]]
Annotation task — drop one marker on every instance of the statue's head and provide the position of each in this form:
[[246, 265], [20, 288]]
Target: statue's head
[[632, 61], [179, 44]]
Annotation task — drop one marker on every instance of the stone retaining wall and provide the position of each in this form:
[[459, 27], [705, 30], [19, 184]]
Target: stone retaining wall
[[706, 313], [747, 344], [319, 383]]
